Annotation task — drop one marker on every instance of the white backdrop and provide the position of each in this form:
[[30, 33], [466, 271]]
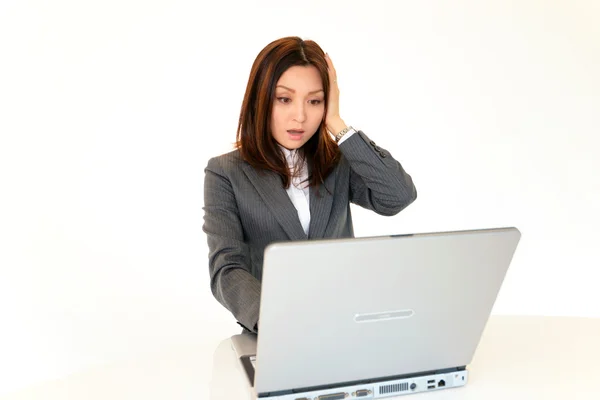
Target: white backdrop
[[110, 110]]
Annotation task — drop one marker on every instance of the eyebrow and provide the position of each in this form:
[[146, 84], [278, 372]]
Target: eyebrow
[[293, 91]]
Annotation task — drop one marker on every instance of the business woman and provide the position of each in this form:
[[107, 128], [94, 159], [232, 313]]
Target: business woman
[[296, 168]]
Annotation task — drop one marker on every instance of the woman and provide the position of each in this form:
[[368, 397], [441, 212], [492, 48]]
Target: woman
[[296, 169]]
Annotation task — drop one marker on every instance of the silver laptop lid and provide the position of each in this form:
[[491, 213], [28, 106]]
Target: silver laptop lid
[[335, 311]]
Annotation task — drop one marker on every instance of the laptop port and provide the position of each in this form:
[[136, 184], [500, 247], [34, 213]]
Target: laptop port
[[333, 396], [362, 393], [430, 386], [441, 383], [431, 381]]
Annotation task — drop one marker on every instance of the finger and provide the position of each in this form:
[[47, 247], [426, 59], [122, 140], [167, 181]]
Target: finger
[[332, 71]]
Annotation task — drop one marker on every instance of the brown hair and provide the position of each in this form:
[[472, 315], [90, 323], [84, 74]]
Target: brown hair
[[254, 139]]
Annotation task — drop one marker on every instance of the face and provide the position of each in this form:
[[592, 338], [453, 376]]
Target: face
[[298, 107]]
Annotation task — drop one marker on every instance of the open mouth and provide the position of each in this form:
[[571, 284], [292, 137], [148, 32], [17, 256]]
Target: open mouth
[[295, 134]]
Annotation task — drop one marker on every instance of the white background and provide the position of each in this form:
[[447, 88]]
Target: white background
[[109, 112]]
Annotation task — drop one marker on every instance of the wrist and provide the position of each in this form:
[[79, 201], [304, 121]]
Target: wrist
[[336, 125]]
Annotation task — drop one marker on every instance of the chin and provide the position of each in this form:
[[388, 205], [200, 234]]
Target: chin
[[292, 146]]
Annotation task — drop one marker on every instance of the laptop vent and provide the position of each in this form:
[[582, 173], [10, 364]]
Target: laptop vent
[[398, 387]]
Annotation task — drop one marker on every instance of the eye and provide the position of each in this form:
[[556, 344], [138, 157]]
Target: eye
[[316, 102], [284, 100]]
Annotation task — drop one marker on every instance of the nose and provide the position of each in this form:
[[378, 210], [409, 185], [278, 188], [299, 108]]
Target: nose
[[299, 112]]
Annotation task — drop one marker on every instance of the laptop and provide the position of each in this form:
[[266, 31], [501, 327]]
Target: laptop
[[373, 317]]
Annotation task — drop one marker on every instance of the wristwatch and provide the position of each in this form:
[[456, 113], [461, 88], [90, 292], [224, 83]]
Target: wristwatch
[[342, 133]]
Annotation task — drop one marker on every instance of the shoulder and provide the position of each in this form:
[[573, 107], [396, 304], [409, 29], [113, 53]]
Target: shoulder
[[225, 163]]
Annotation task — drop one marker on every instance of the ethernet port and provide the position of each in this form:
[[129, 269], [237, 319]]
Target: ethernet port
[[442, 383]]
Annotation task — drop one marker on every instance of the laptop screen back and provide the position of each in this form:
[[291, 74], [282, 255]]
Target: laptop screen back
[[345, 310]]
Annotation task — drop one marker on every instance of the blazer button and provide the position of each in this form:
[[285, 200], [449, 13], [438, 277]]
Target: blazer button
[[383, 155], [377, 148], [372, 143]]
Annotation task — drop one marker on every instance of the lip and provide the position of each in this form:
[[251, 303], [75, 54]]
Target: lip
[[295, 134]]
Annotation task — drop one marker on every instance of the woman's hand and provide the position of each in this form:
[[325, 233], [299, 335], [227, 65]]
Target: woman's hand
[[333, 121]]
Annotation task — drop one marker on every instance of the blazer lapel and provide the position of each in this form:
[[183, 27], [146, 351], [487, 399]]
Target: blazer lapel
[[321, 200], [269, 187]]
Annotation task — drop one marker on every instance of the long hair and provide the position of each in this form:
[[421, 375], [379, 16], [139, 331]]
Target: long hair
[[254, 139]]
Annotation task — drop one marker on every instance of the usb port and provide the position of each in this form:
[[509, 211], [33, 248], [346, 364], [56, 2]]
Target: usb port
[[431, 387], [431, 381]]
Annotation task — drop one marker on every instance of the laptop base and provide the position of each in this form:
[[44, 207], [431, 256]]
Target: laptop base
[[381, 390], [244, 346]]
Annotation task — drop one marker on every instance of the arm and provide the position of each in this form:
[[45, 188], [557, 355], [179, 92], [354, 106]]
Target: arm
[[231, 282], [377, 180]]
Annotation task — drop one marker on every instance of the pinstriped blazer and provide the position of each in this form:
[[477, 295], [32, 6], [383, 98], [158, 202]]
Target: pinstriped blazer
[[246, 209]]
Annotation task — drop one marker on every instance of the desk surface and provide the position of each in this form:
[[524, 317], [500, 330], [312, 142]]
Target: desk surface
[[518, 358]]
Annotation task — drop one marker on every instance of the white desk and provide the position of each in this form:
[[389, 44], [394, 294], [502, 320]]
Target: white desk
[[518, 358]]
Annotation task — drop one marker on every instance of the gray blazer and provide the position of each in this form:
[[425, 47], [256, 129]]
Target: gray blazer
[[246, 209]]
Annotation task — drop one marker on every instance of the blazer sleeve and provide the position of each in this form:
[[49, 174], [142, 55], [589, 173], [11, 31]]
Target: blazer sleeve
[[231, 281], [377, 180]]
